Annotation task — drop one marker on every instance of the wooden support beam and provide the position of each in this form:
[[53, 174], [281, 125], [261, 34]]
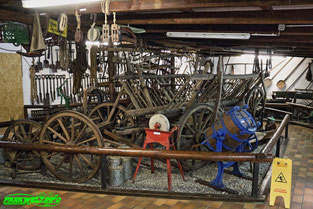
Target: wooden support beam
[[166, 5], [6, 15], [111, 71], [214, 20]]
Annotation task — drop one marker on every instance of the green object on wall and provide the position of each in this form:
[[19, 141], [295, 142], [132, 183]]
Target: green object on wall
[[16, 34]]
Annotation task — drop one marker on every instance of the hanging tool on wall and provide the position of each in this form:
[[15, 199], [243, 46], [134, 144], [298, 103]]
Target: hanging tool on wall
[[47, 93], [57, 64], [39, 87], [64, 55], [268, 81], [80, 66], [78, 33], [33, 86], [93, 33], [46, 62], [52, 65], [53, 82], [93, 65], [282, 83]]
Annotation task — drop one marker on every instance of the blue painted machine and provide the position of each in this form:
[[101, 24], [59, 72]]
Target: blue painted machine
[[233, 132]]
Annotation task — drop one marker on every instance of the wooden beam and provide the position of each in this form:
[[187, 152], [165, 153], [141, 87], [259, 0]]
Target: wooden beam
[[163, 5], [6, 15], [221, 20]]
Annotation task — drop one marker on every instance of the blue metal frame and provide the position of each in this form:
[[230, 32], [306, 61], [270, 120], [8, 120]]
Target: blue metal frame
[[219, 136]]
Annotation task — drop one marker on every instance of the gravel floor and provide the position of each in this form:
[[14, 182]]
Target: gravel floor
[[158, 181]]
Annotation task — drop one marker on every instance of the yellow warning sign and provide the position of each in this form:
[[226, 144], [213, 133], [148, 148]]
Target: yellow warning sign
[[53, 28], [281, 180]]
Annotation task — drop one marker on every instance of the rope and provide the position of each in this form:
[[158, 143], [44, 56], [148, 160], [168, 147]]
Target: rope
[[93, 65], [105, 6], [33, 86], [79, 67]]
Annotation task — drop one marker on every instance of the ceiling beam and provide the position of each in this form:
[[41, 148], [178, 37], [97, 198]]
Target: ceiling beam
[[218, 20], [163, 5]]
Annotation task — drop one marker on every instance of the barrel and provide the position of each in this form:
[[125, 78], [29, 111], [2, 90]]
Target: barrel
[[235, 126]]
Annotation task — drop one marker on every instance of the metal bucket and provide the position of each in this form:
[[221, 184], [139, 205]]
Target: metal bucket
[[127, 167], [116, 172], [116, 176], [114, 161]]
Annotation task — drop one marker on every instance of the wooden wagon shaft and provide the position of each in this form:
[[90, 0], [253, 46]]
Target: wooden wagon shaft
[[196, 88], [130, 94], [178, 93], [115, 104], [144, 88], [144, 111], [119, 138], [219, 88], [137, 93], [145, 76]]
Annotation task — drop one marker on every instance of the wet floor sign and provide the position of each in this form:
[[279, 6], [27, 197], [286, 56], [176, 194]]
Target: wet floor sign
[[281, 180]]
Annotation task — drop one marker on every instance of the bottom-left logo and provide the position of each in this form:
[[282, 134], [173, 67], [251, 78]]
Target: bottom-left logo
[[42, 199]]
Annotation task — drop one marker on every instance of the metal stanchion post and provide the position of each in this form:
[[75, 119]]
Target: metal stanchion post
[[255, 180], [104, 172]]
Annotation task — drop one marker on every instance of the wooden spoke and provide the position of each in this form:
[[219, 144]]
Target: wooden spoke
[[35, 136], [53, 143], [86, 160], [187, 136], [188, 126], [80, 133], [71, 166], [79, 164], [87, 140], [194, 121], [53, 154], [60, 163], [100, 114], [19, 136], [30, 132], [58, 135], [22, 128], [200, 120], [73, 129], [206, 121], [64, 130]]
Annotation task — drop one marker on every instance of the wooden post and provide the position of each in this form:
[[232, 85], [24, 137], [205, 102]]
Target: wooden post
[[173, 72], [85, 101], [111, 69]]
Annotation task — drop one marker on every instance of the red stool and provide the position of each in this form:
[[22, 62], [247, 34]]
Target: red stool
[[163, 138]]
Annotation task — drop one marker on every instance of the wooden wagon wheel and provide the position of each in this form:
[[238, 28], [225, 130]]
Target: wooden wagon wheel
[[191, 131], [256, 101], [24, 131], [105, 116], [65, 129]]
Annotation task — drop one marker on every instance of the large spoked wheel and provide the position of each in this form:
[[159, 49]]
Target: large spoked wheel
[[256, 101], [112, 119], [24, 131], [65, 129], [191, 132]]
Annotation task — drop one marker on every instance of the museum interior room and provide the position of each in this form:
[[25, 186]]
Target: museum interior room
[[119, 104]]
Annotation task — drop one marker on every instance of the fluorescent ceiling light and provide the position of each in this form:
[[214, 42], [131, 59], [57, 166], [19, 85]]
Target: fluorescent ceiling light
[[50, 3], [208, 35]]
